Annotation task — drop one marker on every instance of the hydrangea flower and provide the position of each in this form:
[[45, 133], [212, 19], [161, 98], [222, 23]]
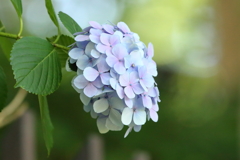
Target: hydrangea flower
[[114, 78]]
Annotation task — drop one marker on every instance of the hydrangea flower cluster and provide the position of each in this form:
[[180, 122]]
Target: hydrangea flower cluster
[[114, 76]]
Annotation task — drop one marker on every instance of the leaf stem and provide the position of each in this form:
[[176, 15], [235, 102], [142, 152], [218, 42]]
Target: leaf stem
[[21, 27], [60, 46], [9, 35], [59, 34], [16, 37]]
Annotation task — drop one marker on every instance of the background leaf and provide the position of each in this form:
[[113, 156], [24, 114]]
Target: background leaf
[[3, 89], [47, 126], [5, 43], [65, 41], [18, 6], [36, 66], [69, 23], [51, 12]]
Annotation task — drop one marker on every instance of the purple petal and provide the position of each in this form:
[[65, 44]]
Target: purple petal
[[128, 102], [119, 91], [94, 38], [143, 85], [90, 73], [75, 53], [155, 107], [133, 77], [137, 88], [123, 27], [105, 38], [142, 71], [102, 48], [139, 117], [127, 116], [105, 78], [129, 92], [113, 83], [83, 62], [96, 32], [119, 68], [90, 90], [98, 83], [147, 101], [80, 82], [152, 92], [119, 51], [154, 115], [148, 81], [81, 38], [95, 25], [111, 60], [150, 50], [103, 66], [114, 39], [108, 28], [124, 79]]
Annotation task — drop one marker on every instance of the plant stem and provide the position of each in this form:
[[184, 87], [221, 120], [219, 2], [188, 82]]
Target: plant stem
[[9, 35], [16, 37], [60, 46], [21, 27]]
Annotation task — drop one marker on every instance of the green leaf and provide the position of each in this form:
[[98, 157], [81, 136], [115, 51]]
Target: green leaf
[[65, 41], [69, 23], [5, 43], [51, 12], [36, 65], [18, 6], [2, 28], [47, 126], [3, 89]]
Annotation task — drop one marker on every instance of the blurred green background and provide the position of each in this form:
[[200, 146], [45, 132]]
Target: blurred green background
[[197, 50]]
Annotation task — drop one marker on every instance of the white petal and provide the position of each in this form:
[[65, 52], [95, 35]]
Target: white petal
[[117, 103], [127, 116], [112, 126], [115, 117], [128, 131], [101, 125], [100, 105], [84, 99], [137, 128], [139, 117]]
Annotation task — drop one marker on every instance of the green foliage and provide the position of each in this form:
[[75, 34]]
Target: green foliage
[[51, 12], [18, 6], [47, 126], [2, 28], [65, 41], [36, 65], [5, 43], [69, 23], [3, 89]]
